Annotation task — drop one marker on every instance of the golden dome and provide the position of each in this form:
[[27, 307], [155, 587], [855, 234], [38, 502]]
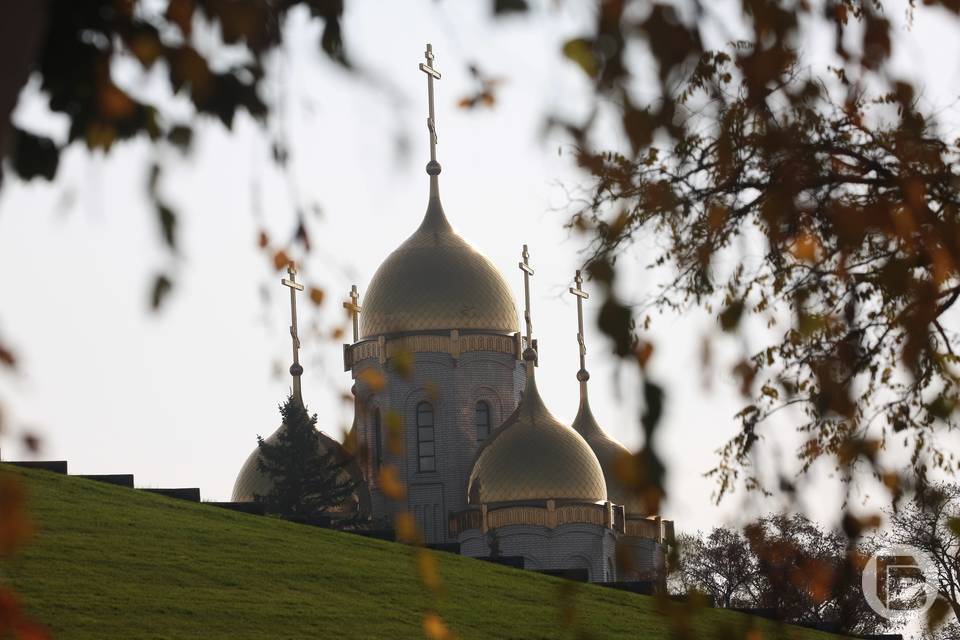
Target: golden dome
[[251, 482], [611, 455], [533, 457], [436, 281]]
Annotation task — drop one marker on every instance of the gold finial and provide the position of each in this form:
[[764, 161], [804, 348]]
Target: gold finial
[[433, 167], [295, 369], [354, 308], [581, 295], [527, 272]]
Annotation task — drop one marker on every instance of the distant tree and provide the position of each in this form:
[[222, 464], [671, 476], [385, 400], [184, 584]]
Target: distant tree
[[307, 480], [720, 565], [809, 575], [931, 523], [787, 564]]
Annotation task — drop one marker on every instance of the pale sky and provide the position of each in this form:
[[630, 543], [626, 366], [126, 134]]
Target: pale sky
[[177, 398]]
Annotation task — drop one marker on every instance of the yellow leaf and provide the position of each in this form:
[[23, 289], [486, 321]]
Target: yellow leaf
[[390, 483], [580, 50], [373, 379], [403, 363], [394, 423], [429, 571], [407, 531]]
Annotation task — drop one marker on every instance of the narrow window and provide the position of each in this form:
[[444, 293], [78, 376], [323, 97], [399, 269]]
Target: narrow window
[[377, 438], [426, 451], [483, 420]]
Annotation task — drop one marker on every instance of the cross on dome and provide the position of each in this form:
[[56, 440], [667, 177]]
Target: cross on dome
[[433, 167], [354, 308], [296, 370], [581, 295], [527, 272]]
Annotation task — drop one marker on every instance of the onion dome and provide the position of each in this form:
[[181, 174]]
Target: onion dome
[[252, 482], [436, 281], [534, 457], [612, 457]]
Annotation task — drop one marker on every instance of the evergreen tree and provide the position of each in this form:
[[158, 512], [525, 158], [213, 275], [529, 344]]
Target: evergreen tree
[[307, 480]]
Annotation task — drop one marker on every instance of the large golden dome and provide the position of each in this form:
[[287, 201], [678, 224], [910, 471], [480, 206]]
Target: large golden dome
[[612, 456], [533, 457], [436, 281]]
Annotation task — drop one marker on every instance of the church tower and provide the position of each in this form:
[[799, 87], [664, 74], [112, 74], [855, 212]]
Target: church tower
[[436, 360]]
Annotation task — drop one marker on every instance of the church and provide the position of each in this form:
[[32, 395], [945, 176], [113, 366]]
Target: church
[[450, 427]]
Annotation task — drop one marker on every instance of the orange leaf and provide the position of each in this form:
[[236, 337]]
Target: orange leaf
[[435, 628], [263, 239], [316, 296], [115, 104], [390, 483], [373, 379], [407, 531], [280, 259]]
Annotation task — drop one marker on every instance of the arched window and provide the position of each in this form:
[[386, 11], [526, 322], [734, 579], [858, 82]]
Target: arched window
[[483, 420], [377, 439], [426, 445]]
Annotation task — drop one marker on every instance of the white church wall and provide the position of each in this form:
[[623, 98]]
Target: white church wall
[[452, 387], [569, 546]]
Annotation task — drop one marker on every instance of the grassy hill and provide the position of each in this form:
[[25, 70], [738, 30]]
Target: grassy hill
[[110, 562]]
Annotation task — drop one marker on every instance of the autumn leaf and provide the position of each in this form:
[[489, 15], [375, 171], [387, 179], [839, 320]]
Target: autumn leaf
[[403, 363], [281, 260], [390, 483], [373, 379], [7, 358], [406, 526], [435, 628], [393, 421], [316, 296], [429, 571]]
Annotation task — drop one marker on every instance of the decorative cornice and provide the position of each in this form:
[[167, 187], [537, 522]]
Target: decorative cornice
[[550, 516], [455, 344]]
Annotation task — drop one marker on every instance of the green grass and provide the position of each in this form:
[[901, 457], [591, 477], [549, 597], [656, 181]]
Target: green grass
[[109, 562]]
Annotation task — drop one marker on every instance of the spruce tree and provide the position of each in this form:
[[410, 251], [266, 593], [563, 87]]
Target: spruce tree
[[307, 481]]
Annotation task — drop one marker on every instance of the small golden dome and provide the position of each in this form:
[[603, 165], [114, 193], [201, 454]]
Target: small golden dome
[[612, 455], [533, 457], [251, 482], [436, 281]]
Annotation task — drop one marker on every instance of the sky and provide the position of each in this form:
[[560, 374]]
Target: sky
[[178, 397]]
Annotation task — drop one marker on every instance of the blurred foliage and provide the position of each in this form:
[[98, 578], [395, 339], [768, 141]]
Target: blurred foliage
[[834, 174]]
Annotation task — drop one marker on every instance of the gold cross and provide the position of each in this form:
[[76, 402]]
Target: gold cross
[[296, 370], [432, 74], [354, 308], [527, 272], [581, 296]]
